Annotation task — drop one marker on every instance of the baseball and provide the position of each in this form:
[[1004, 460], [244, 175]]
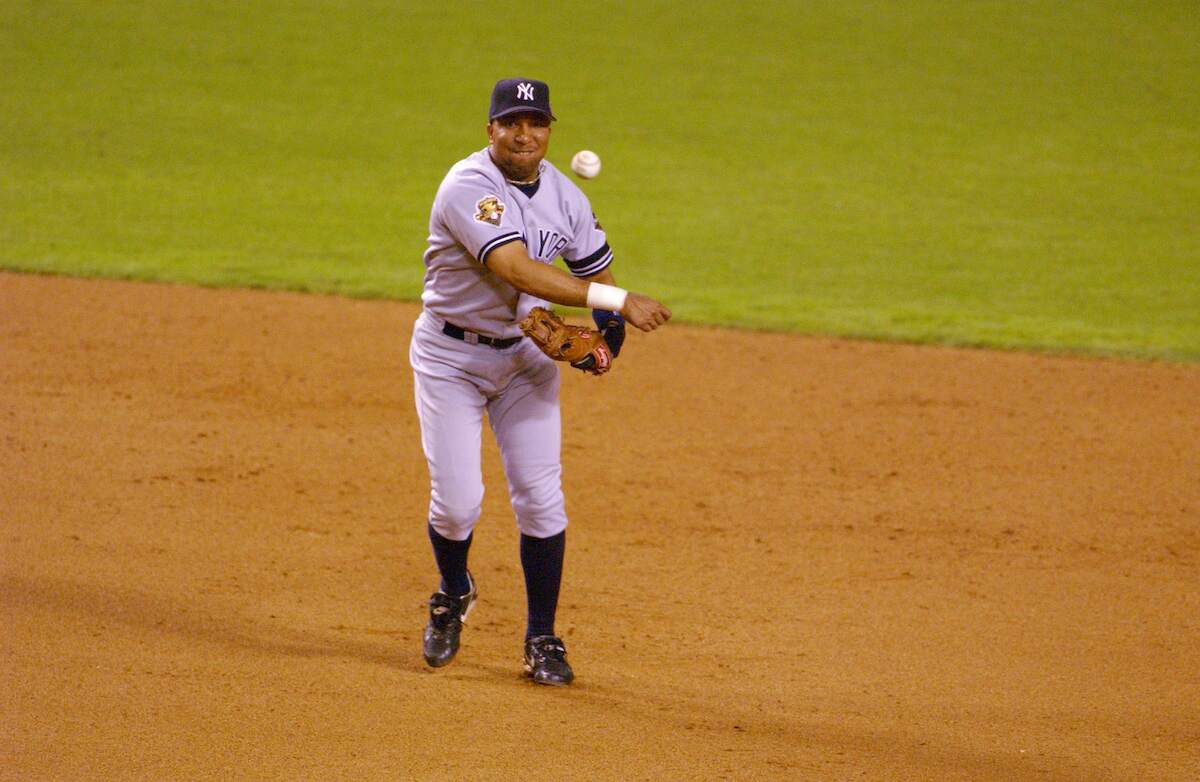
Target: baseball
[[586, 163]]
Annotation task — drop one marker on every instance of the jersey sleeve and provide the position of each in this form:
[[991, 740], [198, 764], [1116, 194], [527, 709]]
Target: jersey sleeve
[[474, 212], [588, 252]]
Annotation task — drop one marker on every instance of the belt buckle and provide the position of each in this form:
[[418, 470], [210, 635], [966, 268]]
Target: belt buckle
[[470, 337]]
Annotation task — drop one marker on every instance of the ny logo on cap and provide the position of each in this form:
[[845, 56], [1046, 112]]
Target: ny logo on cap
[[525, 91]]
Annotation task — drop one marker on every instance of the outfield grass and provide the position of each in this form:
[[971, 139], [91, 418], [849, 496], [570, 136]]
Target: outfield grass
[[1013, 174]]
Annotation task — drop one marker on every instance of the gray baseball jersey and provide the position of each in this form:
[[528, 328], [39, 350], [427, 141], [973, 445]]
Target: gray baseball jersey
[[477, 210]]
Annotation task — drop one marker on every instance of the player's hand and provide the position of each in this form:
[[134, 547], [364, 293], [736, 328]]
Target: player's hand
[[644, 312]]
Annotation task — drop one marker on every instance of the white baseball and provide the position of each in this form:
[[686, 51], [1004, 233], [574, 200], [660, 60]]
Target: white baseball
[[586, 163]]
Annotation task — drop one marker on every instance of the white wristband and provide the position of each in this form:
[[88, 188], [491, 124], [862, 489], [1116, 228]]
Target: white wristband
[[606, 297]]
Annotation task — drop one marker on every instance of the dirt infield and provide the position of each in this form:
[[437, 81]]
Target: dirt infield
[[790, 558]]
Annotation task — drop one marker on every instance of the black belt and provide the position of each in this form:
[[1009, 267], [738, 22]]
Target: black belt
[[450, 330]]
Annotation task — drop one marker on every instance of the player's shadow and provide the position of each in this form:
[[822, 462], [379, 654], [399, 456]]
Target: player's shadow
[[199, 621], [832, 739]]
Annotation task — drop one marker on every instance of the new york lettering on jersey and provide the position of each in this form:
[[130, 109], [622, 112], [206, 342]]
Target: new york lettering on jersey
[[550, 244]]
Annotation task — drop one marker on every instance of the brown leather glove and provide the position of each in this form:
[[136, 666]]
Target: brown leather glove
[[584, 348]]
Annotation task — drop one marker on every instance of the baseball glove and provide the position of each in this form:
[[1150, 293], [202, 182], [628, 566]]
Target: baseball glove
[[584, 348]]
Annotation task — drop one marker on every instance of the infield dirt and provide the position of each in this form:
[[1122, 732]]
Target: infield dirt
[[789, 558]]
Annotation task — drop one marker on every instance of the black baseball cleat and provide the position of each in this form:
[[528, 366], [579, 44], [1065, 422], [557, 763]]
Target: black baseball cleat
[[446, 617], [546, 661]]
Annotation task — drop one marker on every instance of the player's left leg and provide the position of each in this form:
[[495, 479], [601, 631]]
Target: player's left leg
[[527, 424], [528, 427]]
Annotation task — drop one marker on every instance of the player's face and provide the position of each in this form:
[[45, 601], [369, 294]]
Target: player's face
[[518, 143]]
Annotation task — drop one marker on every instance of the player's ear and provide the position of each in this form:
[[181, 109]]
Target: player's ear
[[489, 131]]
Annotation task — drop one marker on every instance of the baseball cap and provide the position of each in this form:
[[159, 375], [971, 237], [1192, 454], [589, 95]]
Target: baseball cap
[[512, 95]]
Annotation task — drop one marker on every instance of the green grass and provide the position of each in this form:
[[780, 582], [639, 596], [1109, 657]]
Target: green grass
[[1017, 174]]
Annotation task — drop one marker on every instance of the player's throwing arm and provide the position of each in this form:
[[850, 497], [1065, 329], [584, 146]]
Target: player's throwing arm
[[512, 264]]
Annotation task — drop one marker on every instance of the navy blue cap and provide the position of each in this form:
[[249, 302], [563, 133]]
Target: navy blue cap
[[512, 95]]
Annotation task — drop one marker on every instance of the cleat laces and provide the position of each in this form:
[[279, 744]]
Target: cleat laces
[[550, 649], [443, 614]]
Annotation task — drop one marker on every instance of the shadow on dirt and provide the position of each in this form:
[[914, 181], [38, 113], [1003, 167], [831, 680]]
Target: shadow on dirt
[[200, 622]]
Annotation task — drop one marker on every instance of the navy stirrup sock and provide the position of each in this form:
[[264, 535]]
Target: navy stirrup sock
[[451, 556], [542, 561]]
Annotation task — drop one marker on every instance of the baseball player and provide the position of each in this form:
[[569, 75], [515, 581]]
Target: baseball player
[[500, 218]]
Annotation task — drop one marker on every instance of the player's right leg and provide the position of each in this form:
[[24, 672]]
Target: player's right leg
[[450, 409]]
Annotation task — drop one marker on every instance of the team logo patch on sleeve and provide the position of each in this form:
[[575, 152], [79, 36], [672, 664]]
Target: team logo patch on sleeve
[[490, 208]]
